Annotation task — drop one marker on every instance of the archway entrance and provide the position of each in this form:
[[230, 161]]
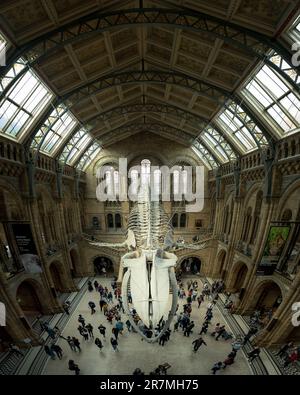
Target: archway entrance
[[28, 300], [103, 265], [269, 297], [56, 277], [75, 262], [191, 265], [239, 278]]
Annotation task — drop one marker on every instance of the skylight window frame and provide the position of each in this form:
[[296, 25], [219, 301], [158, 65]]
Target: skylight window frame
[[204, 155], [19, 109], [47, 131], [232, 133], [88, 156], [264, 110], [71, 150]]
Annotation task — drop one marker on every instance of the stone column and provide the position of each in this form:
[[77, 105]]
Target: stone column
[[53, 303]]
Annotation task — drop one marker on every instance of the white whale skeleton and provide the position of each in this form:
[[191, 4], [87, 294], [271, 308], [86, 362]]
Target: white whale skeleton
[[147, 270]]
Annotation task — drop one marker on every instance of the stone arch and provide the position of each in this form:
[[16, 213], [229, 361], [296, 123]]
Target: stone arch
[[155, 158], [112, 269], [112, 160], [292, 190], [190, 265], [196, 257], [239, 273], [266, 296], [31, 298]]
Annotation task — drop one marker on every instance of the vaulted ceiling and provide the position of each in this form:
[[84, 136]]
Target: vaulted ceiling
[[123, 67]]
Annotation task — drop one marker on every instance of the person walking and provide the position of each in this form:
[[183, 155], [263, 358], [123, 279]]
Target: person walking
[[228, 361], [253, 354], [98, 343], [66, 307], [176, 325], [84, 333], [81, 320], [216, 330], [57, 350], [49, 352], [90, 329], [120, 326], [220, 332], [200, 299], [92, 306], [115, 332], [74, 367], [217, 366], [188, 329], [76, 344], [114, 344], [204, 328], [129, 326], [71, 343], [162, 340], [198, 343], [102, 330]]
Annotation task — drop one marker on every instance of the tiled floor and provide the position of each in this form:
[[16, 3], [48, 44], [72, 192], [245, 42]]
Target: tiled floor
[[135, 353]]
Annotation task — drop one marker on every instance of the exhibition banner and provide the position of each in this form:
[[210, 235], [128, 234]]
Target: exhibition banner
[[25, 247], [274, 246]]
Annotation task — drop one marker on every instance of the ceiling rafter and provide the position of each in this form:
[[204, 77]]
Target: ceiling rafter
[[247, 40]]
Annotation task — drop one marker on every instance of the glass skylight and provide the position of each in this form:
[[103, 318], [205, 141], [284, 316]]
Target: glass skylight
[[22, 104], [271, 95], [238, 126], [204, 155], [75, 146], [218, 144], [11, 74], [88, 156], [54, 131]]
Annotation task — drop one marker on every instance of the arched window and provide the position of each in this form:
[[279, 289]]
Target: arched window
[[145, 172], [175, 220], [110, 221], [184, 175], [116, 183], [134, 183], [109, 183], [118, 221], [183, 220], [157, 183], [176, 182]]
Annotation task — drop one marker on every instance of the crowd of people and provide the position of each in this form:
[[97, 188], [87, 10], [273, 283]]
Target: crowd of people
[[192, 296]]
